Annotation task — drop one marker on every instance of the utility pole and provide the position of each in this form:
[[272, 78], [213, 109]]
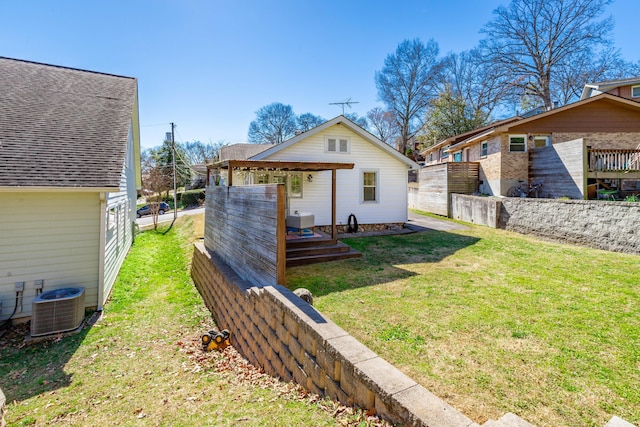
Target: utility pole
[[175, 189]]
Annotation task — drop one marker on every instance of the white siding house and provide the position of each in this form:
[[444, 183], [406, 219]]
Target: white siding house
[[69, 174], [375, 190]]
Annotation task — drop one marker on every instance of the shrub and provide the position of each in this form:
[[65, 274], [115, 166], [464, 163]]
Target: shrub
[[192, 197]]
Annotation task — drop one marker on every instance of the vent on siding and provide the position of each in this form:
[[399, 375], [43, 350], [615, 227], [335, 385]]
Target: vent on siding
[[56, 311]]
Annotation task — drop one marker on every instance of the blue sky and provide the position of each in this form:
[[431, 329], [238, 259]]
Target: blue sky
[[208, 65]]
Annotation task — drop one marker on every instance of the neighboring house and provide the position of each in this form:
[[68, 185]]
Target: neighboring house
[[198, 176], [371, 177], [626, 88], [573, 150], [69, 172], [242, 151]]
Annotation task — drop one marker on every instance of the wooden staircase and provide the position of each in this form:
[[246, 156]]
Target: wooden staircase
[[319, 249]]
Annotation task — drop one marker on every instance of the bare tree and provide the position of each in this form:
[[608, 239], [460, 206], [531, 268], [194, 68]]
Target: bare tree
[[308, 121], [274, 124], [543, 45], [406, 84], [359, 120], [197, 152], [469, 76], [156, 179], [383, 124]]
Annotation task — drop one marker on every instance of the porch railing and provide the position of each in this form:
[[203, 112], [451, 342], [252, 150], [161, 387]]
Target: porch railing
[[613, 160]]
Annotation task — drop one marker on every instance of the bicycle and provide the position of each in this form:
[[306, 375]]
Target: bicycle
[[526, 190]]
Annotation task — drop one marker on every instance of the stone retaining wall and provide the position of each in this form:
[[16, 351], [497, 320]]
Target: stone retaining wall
[[362, 228], [612, 226], [288, 338]]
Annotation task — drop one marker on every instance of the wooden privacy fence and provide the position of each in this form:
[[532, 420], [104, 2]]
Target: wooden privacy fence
[[245, 226], [438, 182]]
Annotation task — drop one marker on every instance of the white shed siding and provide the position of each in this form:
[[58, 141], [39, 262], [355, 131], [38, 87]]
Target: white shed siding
[[48, 236], [119, 237], [392, 178]]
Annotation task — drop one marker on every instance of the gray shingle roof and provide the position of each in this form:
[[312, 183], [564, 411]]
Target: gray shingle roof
[[242, 151], [62, 127]]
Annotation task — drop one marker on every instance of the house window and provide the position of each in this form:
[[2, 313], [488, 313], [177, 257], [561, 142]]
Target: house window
[[295, 185], [430, 157], [518, 143], [541, 141], [635, 91], [111, 218], [370, 186], [262, 178], [457, 157], [484, 149], [445, 152], [337, 145]]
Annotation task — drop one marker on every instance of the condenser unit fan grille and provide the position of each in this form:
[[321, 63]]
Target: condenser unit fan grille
[[59, 310]]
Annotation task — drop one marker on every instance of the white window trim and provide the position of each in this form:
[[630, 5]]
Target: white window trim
[[337, 150], [377, 172], [547, 139], [112, 217], [518, 136], [290, 184], [638, 89]]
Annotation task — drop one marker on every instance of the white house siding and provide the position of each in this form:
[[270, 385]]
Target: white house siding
[[119, 235], [392, 180], [48, 236]]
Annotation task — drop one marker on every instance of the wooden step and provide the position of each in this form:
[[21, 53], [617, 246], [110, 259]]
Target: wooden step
[[310, 242], [313, 259], [299, 251]]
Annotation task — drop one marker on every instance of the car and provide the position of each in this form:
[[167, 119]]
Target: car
[[146, 209]]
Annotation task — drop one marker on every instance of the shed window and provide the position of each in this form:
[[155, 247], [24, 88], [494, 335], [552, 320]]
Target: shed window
[[517, 143], [635, 91], [295, 183], [338, 145], [369, 186]]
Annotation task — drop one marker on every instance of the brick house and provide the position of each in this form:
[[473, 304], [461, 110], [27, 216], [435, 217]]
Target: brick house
[[574, 150]]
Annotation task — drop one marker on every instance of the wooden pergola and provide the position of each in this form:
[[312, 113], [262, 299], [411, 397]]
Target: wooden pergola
[[286, 166]]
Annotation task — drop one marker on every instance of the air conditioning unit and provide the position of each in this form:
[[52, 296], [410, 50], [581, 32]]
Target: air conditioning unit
[[59, 310]]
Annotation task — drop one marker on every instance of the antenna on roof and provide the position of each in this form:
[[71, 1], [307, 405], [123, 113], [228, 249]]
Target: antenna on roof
[[346, 102]]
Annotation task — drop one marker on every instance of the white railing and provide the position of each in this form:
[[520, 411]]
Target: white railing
[[614, 160]]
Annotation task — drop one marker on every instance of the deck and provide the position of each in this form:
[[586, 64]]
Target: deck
[[614, 163]]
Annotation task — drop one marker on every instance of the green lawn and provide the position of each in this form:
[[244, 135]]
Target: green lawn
[[142, 364], [495, 322]]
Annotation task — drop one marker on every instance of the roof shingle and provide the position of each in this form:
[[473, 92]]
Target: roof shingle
[[62, 127]]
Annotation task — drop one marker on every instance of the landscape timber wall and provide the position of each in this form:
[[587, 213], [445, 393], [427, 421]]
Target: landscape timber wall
[[245, 226], [612, 226], [278, 331]]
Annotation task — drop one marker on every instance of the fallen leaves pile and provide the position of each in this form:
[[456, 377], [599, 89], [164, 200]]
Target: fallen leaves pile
[[237, 370]]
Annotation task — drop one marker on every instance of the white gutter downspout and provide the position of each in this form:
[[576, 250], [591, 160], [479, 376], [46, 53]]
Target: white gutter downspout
[[101, 250]]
